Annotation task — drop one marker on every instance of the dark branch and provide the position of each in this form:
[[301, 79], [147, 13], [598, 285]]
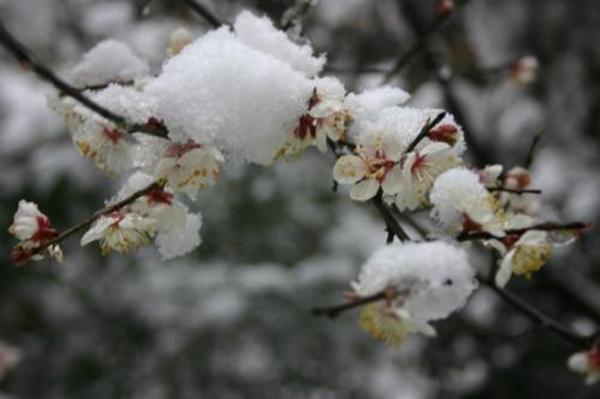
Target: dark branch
[[514, 191], [541, 318], [87, 222], [423, 37], [294, 14], [542, 226], [204, 13], [391, 223], [425, 131], [532, 150]]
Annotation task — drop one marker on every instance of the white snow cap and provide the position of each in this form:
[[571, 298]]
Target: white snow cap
[[221, 91], [181, 241], [126, 101], [459, 191], [260, 34], [367, 105], [407, 122], [437, 276], [108, 61]]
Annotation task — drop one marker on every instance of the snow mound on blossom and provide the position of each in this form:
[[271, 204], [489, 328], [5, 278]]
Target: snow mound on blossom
[[437, 276], [108, 61], [180, 242], [454, 192], [127, 101], [367, 105], [222, 92], [261, 35], [407, 122]]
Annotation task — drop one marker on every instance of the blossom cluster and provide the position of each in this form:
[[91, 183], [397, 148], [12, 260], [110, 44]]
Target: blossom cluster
[[248, 94]]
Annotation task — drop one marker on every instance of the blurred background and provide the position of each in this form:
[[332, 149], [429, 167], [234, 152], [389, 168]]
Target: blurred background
[[232, 320]]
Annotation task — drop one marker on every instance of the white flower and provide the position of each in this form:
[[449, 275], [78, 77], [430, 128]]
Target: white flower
[[428, 281], [120, 231], [9, 358], [490, 175], [411, 183], [588, 363], [31, 224], [189, 166], [462, 204], [33, 229], [524, 70], [179, 38], [378, 154], [327, 118], [105, 145], [526, 256]]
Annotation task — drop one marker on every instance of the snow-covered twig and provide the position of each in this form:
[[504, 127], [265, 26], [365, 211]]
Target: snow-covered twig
[[88, 222], [28, 61], [204, 12]]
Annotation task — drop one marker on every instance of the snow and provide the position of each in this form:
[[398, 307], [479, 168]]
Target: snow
[[260, 34], [220, 91], [182, 241], [108, 61], [437, 276]]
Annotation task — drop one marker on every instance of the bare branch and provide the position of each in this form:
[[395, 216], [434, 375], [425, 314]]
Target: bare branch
[[515, 191], [425, 131], [541, 318], [421, 43], [88, 222], [204, 13]]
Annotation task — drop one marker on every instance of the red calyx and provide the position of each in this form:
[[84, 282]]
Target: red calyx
[[159, 196], [445, 133], [44, 231], [306, 126], [19, 255], [470, 225], [113, 135], [176, 150]]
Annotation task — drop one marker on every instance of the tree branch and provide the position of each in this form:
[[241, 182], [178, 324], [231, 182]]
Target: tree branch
[[88, 222], [204, 13], [28, 61], [421, 43], [540, 317]]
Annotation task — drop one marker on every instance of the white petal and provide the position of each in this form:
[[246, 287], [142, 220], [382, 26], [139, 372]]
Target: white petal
[[349, 169], [364, 190], [505, 271], [392, 182], [579, 362]]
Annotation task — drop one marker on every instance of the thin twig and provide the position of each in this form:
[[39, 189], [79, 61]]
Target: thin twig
[[28, 61], [421, 42], [532, 149], [294, 14], [425, 131], [540, 317], [87, 222], [391, 223], [515, 191], [542, 226], [334, 310], [204, 13]]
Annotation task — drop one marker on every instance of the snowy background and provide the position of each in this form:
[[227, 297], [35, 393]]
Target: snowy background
[[232, 320]]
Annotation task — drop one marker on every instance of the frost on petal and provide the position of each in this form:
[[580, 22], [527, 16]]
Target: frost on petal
[[364, 190], [260, 34], [109, 61], [349, 169], [179, 242], [220, 91]]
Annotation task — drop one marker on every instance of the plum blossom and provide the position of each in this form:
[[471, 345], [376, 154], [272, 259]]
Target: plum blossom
[[421, 281], [120, 231], [33, 229], [180, 38], [411, 182], [377, 154], [106, 145], [587, 363], [525, 256], [327, 118], [189, 167]]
